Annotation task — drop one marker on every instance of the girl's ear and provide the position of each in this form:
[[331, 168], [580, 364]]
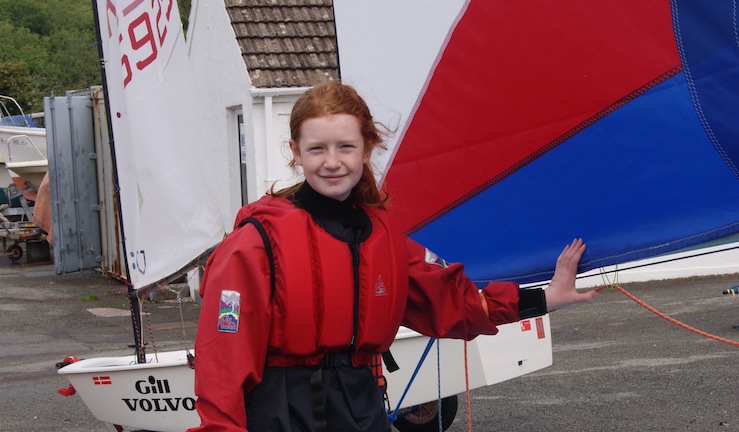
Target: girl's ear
[[295, 148]]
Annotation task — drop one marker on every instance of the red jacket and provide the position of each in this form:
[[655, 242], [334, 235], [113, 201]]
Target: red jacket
[[242, 323]]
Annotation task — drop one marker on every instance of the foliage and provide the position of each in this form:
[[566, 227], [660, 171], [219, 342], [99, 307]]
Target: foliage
[[184, 6], [15, 79], [46, 46]]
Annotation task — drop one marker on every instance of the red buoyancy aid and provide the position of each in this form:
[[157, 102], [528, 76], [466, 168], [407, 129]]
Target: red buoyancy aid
[[313, 302]]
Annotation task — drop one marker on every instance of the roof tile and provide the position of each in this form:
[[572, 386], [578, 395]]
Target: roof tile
[[286, 43]]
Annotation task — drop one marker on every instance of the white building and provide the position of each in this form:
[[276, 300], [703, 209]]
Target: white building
[[251, 62]]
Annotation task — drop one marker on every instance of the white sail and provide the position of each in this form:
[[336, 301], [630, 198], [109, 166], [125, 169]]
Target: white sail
[[170, 215]]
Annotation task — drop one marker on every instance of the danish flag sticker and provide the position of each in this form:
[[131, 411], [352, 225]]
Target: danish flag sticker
[[102, 380]]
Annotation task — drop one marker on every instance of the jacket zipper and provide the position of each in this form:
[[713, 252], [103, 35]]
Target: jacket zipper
[[355, 264]]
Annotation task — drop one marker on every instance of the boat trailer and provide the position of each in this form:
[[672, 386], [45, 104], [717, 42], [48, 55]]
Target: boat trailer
[[16, 223]]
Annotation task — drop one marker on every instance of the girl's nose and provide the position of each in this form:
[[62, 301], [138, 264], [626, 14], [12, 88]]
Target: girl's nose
[[332, 160]]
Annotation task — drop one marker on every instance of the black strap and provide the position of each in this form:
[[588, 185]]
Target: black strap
[[337, 359], [318, 399], [390, 362], [270, 258], [330, 360], [267, 247]]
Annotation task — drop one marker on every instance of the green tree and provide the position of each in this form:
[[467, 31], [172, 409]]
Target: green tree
[[23, 56], [15, 80], [73, 60], [56, 41], [184, 6], [50, 46], [31, 15]]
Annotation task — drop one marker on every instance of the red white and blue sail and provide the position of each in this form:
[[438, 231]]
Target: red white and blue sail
[[527, 124]]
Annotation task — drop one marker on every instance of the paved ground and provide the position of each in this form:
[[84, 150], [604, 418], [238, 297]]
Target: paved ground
[[45, 317], [616, 366]]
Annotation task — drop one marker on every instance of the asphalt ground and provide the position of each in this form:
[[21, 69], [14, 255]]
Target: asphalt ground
[[617, 366]]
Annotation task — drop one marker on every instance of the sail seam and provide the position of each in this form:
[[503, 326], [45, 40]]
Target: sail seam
[[551, 145], [697, 105], [608, 260]]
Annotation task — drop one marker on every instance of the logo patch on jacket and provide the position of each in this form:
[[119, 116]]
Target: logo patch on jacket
[[228, 313], [432, 258], [380, 289]]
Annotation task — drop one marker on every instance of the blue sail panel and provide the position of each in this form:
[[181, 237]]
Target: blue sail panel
[[642, 181]]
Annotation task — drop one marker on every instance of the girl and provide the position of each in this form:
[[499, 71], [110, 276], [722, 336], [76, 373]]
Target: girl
[[315, 280]]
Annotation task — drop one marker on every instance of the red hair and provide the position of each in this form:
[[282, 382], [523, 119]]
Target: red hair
[[336, 98]]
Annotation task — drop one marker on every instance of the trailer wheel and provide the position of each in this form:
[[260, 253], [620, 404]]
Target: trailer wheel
[[14, 252], [424, 418]]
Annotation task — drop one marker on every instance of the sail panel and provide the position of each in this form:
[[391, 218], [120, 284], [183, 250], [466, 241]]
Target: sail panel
[[169, 212], [708, 42], [540, 122], [515, 88], [648, 189]]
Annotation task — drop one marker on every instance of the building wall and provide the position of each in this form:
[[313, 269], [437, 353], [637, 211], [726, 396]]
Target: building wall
[[272, 139], [223, 87], [226, 90]]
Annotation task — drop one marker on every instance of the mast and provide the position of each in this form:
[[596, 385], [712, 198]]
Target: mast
[[133, 298]]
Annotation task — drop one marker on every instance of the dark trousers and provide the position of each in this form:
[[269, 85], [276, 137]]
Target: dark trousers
[[285, 400]]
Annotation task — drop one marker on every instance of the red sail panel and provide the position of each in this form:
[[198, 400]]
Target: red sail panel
[[503, 89]]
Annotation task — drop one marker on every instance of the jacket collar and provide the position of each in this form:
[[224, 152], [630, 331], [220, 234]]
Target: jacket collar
[[328, 209]]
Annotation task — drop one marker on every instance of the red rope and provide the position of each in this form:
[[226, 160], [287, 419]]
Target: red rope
[[151, 330], [627, 294], [668, 318]]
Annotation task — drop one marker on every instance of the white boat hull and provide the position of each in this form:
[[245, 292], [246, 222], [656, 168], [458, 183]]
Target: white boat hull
[[24, 154], [159, 395]]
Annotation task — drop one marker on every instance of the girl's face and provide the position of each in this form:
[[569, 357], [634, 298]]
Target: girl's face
[[331, 151]]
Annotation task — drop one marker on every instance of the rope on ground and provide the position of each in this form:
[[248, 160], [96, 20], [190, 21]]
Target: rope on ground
[[662, 315]]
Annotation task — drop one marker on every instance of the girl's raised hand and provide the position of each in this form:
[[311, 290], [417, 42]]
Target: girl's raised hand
[[561, 291]]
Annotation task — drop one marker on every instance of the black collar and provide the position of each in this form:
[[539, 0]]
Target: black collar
[[325, 208], [329, 213]]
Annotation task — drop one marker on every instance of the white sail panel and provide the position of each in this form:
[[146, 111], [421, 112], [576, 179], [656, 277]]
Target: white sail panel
[[170, 214]]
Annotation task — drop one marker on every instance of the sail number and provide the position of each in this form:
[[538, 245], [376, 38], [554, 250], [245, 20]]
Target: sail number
[[143, 34]]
